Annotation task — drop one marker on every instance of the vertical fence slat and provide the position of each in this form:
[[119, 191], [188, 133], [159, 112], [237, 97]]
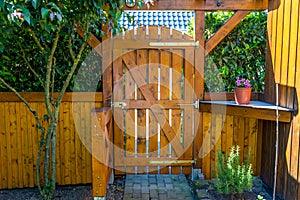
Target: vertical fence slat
[[25, 133], [206, 145], [142, 61], [72, 147], [224, 136], [154, 60], [87, 150], [62, 145], [78, 144], [177, 93], [3, 148], [165, 60], [252, 142], [67, 138], [20, 148], [229, 132], [83, 153], [8, 142], [33, 142]]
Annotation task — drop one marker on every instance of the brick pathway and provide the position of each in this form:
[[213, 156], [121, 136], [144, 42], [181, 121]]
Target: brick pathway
[[168, 187]]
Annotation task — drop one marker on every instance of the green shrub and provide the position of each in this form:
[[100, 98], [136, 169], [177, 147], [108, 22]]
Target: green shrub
[[232, 176], [240, 54]]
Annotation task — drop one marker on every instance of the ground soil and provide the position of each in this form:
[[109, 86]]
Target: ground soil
[[78, 192]]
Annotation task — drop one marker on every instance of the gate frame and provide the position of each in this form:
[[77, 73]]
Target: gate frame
[[241, 10]]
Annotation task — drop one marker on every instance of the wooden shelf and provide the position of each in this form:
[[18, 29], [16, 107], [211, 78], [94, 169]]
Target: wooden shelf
[[256, 109]]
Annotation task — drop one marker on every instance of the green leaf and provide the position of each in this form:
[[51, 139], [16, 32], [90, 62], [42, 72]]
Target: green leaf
[[36, 3], [6, 57], [48, 28], [45, 12], [53, 5], [1, 48], [26, 13], [2, 4]]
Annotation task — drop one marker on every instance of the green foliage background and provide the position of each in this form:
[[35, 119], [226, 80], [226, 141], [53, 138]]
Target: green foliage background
[[18, 50], [240, 54]]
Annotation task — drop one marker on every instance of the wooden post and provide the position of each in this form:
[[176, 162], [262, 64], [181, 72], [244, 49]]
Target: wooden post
[[199, 80]]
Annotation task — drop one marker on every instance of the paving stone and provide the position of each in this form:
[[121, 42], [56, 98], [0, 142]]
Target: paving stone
[[171, 195], [145, 196], [169, 186], [168, 180], [153, 194], [160, 184], [152, 180], [136, 186], [136, 194], [157, 187], [163, 196], [145, 191]]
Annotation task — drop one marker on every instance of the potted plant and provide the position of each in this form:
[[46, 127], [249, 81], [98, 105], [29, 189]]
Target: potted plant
[[242, 92]]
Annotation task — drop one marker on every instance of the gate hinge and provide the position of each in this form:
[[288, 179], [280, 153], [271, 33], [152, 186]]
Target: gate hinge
[[174, 44], [169, 162], [196, 104], [118, 104]]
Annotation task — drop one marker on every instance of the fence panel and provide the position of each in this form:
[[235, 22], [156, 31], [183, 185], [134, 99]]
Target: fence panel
[[19, 139]]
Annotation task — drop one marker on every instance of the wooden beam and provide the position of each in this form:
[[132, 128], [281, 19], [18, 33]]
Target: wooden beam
[[199, 80], [39, 96], [235, 19], [93, 41], [206, 5]]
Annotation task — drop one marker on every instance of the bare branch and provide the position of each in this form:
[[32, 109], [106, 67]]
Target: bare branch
[[48, 75], [36, 39], [70, 48], [52, 82], [30, 67], [75, 64], [66, 84]]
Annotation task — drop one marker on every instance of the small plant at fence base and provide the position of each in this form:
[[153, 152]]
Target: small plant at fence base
[[232, 176]]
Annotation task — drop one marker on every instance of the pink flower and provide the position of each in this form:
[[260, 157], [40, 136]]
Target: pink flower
[[243, 82]]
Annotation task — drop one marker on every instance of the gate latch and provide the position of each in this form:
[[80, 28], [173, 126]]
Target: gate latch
[[118, 104], [196, 104]]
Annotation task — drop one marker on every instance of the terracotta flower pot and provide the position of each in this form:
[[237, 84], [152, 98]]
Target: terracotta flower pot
[[242, 95]]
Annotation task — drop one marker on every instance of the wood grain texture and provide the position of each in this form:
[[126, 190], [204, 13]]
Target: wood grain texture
[[283, 49], [221, 132], [19, 142]]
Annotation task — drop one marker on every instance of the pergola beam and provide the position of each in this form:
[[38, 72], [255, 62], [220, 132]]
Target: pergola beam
[[206, 5], [235, 19]]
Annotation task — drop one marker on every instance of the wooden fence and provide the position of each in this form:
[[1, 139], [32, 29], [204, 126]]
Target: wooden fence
[[283, 68], [226, 131], [19, 139]]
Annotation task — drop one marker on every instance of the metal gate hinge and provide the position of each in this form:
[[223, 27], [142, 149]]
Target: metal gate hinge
[[118, 104], [196, 104], [174, 44], [169, 162]]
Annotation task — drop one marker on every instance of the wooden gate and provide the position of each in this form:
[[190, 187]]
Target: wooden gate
[[153, 101]]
